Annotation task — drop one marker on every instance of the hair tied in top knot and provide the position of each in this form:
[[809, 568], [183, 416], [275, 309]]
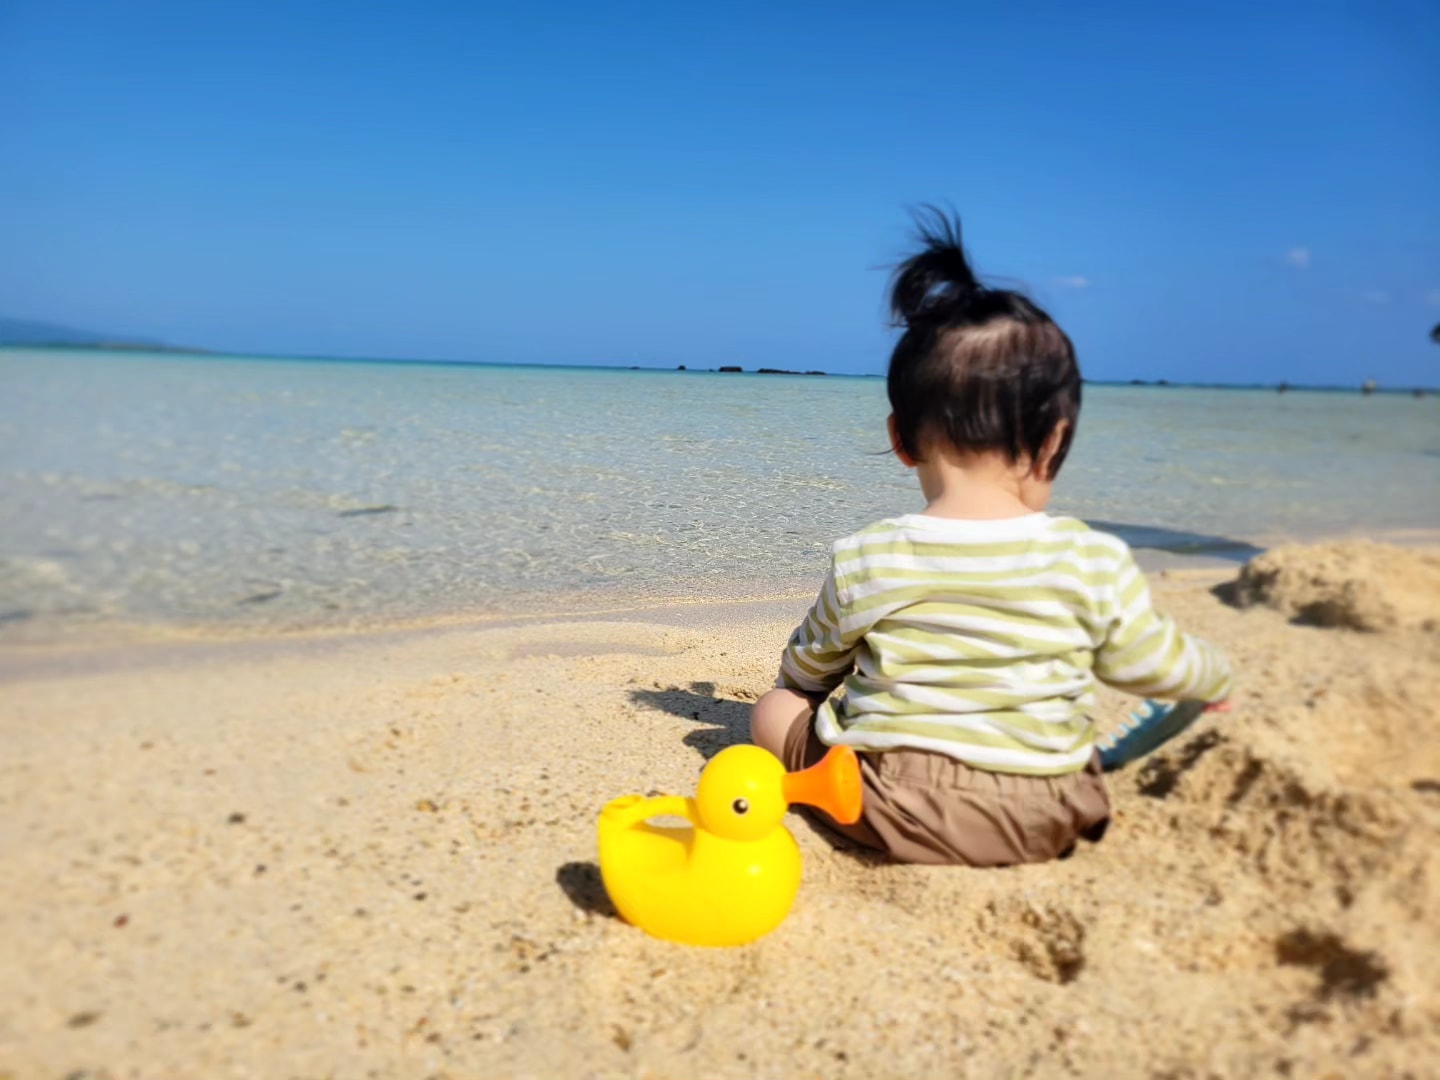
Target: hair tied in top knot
[[936, 285]]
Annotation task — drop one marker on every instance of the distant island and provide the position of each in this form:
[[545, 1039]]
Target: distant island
[[1365, 388], [38, 334], [732, 370]]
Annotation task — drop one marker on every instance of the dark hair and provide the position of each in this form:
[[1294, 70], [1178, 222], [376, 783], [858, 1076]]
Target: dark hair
[[980, 368]]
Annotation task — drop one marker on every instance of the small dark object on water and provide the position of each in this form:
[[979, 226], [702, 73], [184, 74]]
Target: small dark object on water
[[732, 370], [1284, 386], [1368, 387], [367, 511], [680, 368]]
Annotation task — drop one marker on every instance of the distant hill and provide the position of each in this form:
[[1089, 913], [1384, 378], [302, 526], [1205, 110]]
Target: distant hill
[[31, 332]]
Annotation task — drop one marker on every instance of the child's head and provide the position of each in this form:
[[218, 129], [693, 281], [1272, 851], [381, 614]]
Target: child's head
[[978, 370]]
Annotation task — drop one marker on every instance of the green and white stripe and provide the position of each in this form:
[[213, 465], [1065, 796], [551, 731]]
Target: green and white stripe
[[983, 640]]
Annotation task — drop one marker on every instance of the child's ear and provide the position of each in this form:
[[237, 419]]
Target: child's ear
[[905, 459], [1040, 467]]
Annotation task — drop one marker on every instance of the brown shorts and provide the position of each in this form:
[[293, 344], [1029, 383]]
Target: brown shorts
[[923, 807]]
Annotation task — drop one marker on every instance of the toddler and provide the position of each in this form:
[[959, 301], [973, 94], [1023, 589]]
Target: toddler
[[969, 636]]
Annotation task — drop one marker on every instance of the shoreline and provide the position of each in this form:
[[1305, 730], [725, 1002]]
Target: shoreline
[[47, 643], [120, 646], [143, 646]]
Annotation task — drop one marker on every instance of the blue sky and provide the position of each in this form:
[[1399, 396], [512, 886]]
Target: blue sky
[[1240, 195]]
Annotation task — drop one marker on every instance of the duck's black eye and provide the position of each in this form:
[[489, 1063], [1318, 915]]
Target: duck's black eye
[[740, 806]]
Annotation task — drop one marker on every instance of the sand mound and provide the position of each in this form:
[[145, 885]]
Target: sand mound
[[1357, 584]]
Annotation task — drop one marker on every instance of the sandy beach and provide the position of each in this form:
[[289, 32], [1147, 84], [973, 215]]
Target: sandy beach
[[373, 855]]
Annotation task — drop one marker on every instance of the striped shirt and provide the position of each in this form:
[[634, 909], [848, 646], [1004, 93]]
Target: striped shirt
[[983, 640]]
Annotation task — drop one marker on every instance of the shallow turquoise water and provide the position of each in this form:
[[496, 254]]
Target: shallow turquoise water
[[164, 488]]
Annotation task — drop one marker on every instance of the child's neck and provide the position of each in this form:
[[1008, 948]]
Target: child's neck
[[977, 487]]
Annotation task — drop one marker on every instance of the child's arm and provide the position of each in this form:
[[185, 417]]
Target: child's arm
[[821, 651], [1146, 653]]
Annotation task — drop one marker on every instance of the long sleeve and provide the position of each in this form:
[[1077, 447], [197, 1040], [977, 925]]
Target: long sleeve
[[1146, 653], [821, 651]]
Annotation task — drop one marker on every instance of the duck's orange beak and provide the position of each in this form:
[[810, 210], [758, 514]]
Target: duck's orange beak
[[832, 784]]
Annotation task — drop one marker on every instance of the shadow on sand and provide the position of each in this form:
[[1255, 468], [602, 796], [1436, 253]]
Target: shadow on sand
[[727, 721], [581, 882], [1177, 542]]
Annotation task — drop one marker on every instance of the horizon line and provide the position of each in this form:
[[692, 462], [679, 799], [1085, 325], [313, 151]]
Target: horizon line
[[122, 348]]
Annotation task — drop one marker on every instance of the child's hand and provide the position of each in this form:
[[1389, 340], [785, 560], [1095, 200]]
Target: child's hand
[[1219, 706]]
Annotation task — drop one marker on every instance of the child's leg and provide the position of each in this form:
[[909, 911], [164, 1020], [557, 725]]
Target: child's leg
[[782, 722], [773, 717], [929, 808]]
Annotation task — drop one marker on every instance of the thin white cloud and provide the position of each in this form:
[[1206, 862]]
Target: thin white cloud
[[1375, 296], [1075, 281], [1298, 257]]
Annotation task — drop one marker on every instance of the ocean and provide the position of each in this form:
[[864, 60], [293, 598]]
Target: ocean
[[232, 493]]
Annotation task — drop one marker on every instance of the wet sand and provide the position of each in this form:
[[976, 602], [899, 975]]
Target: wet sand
[[374, 855]]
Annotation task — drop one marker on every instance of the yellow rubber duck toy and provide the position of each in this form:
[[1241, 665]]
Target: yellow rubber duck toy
[[729, 876]]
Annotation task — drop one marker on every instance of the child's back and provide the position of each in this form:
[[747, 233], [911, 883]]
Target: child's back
[[978, 639], [968, 637]]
